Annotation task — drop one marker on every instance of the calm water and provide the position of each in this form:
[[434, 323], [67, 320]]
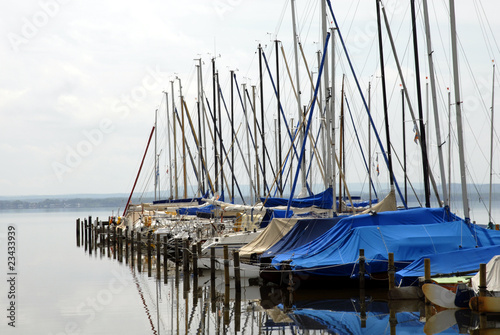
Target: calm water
[[61, 289]]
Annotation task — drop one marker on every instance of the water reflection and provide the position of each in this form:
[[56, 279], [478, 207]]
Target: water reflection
[[175, 301]]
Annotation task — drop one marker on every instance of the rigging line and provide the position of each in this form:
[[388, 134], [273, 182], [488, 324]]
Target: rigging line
[[483, 31], [489, 26], [359, 143], [432, 241], [308, 125], [364, 101]]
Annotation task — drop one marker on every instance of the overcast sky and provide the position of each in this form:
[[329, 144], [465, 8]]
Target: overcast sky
[[81, 79]]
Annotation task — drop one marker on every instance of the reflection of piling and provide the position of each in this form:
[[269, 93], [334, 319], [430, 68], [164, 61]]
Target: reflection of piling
[[226, 276], [393, 321]]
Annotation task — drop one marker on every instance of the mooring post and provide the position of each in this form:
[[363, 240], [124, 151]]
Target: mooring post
[[391, 270], [226, 277], [132, 249], [176, 246], [77, 232], [212, 278], [108, 243], [139, 251], [361, 268], [115, 239], [165, 260], [185, 256], [90, 237], [126, 245], [237, 274], [194, 251], [158, 256], [149, 254], [482, 280]]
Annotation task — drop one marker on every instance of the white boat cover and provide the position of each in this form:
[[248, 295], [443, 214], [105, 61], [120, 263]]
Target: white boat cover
[[492, 276]]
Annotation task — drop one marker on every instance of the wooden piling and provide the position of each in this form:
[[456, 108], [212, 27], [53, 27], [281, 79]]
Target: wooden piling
[[108, 242], [114, 242], [158, 258], [482, 280], [149, 254], [165, 260], [390, 270], [226, 277], [126, 245], [85, 234], [90, 238], [139, 251], [132, 249], [427, 280], [427, 270], [81, 231], [212, 278], [77, 232], [362, 268], [185, 256], [194, 250], [237, 274], [176, 246]]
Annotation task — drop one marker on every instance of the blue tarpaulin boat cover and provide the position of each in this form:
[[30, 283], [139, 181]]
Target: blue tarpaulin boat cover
[[447, 263], [332, 238], [406, 242], [195, 210], [322, 200], [304, 231]]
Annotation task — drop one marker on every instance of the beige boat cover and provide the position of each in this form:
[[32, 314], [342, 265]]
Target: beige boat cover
[[276, 229], [386, 205], [492, 278]]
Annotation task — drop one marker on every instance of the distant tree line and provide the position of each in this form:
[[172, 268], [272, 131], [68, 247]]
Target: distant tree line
[[63, 203]]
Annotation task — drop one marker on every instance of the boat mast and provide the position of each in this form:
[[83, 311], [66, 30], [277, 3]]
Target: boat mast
[[434, 103], [369, 146], [423, 145], [249, 166], [331, 127], [156, 154], [183, 140], [299, 103], [327, 109], [233, 136], [169, 164], [175, 142], [384, 95], [201, 177], [458, 103], [491, 141], [256, 142], [262, 133], [214, 118], [280, 173]]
